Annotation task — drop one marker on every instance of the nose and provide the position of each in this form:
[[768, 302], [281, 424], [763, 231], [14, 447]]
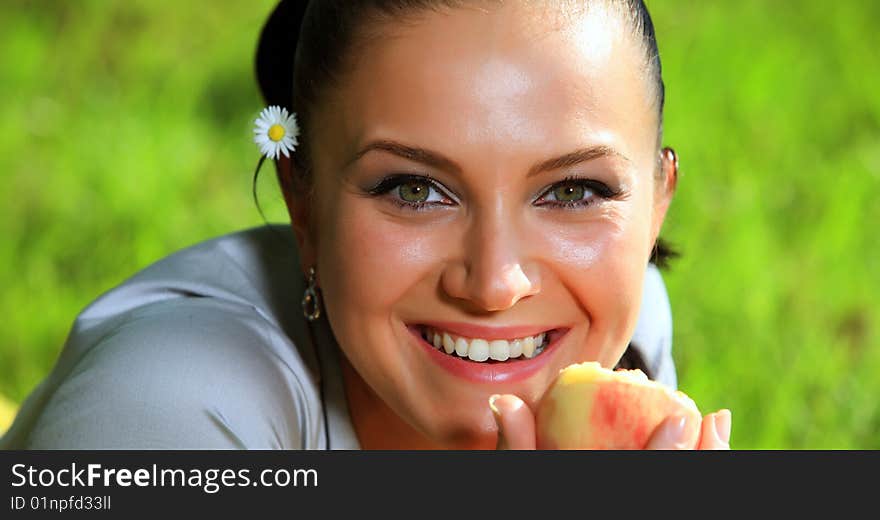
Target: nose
[[493, 272]]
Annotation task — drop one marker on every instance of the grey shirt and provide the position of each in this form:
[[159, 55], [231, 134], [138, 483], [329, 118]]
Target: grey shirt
[[208, 349]]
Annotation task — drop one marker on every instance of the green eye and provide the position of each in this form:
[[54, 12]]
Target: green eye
[[569, 192], [414, 191]]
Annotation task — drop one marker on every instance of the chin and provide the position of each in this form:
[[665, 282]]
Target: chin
[[472, 427]]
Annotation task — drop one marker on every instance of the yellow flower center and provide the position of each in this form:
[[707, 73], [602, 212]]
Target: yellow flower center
[[276, 133]]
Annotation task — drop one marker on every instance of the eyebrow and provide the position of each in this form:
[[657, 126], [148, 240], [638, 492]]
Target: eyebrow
[[438, 161]]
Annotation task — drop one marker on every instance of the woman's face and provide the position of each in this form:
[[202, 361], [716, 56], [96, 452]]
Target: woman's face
[[483, 176]]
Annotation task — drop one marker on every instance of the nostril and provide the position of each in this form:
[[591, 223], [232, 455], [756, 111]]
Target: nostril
[[490, 282], [503, 289]]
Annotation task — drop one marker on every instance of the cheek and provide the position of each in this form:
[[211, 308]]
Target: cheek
[[615, 242], [369, 263], [601, 266]]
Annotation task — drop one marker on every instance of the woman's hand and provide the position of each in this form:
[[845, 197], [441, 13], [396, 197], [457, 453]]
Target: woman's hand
[[516, 428]]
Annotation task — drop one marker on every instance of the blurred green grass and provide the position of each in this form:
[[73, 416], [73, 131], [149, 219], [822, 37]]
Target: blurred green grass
[[125, 135]]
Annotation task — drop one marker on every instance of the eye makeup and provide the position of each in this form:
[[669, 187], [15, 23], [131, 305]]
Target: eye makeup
[[422, 192], [413, 191], [570, 193]]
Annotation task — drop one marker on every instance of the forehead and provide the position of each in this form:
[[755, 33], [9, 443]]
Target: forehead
[[495, 76]]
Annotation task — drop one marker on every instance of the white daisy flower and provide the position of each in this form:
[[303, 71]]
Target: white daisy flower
[[276, 132]]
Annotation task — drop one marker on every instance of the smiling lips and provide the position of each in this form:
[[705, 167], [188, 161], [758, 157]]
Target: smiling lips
[[479, 349], [488, 354], [482, 344]]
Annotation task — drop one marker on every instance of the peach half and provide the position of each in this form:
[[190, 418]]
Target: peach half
[[593, 408]]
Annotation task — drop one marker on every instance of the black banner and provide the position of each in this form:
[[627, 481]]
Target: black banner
[[331, 483]]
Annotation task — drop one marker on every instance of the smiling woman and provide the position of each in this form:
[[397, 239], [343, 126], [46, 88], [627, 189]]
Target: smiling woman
[[472, 214]]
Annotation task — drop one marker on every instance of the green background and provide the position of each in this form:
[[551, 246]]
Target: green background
[[125, 134]]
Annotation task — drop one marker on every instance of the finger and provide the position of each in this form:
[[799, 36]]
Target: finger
[[516, 423], [674, 433], [715, 434]]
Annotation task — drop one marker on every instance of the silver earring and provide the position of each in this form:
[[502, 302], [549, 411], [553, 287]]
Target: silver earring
[[311, 302]]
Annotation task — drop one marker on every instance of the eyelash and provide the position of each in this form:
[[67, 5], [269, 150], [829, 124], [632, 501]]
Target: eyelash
[[598, 189], [389, 183]]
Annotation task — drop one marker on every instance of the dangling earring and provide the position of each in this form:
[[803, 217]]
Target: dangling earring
[[311, 302]]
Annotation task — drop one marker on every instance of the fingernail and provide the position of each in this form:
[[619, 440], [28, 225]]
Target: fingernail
[[677, 429], [672, 434], [495, 408], [722, 425], [502, 443]]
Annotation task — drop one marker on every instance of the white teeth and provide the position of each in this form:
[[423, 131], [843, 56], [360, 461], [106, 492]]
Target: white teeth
[[461, 347], [528, 347], [478, 350], [516, 348], [448, 343], [499, 350]]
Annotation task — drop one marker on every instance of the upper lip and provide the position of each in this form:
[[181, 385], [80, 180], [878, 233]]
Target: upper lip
[[472, 330]]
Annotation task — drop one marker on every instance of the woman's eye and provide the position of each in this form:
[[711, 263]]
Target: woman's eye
[[569, 192], [412, 191], [573, 193]]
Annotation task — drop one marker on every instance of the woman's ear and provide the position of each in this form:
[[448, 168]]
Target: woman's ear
[[664, 190], [299, 201]]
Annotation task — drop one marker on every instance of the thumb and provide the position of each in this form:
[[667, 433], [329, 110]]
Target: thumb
[[677, 432], [515, 421]]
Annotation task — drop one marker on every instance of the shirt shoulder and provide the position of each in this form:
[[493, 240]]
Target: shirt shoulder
[[188, 354], [652, 337]]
